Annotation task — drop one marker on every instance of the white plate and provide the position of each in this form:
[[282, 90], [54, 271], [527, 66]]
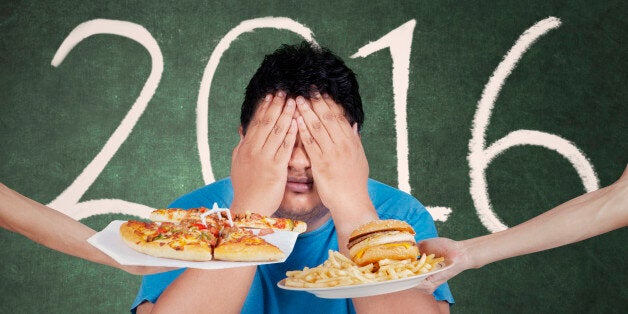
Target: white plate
[[366, 289], [110, 242]]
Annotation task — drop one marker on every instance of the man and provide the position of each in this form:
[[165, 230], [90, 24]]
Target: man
[[300, 157]]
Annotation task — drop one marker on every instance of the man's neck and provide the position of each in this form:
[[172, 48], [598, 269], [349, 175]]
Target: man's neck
[[314, 218]]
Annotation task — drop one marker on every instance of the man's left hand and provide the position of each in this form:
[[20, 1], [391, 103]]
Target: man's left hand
[[339, 164]]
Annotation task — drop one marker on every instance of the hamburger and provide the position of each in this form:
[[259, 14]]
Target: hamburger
[[382, 239]]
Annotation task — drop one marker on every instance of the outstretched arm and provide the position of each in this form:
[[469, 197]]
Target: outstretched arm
[[34, 220], [583, 217]]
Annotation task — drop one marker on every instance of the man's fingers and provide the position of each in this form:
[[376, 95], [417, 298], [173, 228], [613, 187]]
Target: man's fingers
[[339, 114], [253, 126], [285, 150], [265, 119], [327, 116], [309, 143], [316, 129], [277, 135]]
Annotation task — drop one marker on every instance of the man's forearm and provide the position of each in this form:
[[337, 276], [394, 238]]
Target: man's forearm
[[207, 291], [406, 301], [350, 216]]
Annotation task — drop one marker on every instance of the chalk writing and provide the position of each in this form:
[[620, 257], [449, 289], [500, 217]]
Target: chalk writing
[[399, 43]]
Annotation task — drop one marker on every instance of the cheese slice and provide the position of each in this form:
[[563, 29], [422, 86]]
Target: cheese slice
[[406, 245]]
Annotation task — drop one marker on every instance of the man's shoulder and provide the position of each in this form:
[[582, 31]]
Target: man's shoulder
[[220, 191], [392, 203], [380, 192]]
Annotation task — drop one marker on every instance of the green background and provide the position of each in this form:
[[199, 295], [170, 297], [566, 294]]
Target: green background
[[571, 83]]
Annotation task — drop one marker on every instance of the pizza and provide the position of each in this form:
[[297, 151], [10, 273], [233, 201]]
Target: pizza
[[257, 221], [180, 234], [179, 241], [241, 245], [246, 220]]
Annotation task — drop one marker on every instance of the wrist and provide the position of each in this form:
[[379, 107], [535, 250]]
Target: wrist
[[349, 203], [350, 216], [472, 251]]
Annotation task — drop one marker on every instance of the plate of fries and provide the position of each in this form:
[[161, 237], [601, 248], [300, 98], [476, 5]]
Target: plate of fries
[[339, 277]]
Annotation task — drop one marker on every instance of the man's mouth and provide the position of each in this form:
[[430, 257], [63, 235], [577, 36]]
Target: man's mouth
[[299, 184]]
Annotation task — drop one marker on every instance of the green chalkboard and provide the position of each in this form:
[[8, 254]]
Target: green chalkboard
[[145, 108]]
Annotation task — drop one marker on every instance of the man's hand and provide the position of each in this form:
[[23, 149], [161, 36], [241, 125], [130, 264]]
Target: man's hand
[[454, 252], [259, 164], [339, 166]]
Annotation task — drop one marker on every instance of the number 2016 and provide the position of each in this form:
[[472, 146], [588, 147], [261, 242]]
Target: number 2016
[[399, 43]]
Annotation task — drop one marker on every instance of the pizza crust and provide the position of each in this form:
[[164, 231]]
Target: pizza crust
[[169, 215], [299, 226], [238, 252]]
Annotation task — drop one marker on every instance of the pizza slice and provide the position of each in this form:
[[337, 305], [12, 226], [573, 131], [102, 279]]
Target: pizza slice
[[177, 214], [257, 221], [189, 241], [246, 220], [242, 245]]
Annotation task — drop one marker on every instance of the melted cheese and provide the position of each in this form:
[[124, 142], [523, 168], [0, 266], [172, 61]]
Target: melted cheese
[[361, 252]]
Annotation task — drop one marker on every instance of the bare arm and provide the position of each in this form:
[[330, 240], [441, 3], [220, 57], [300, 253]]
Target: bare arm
[[34, 220], [340, 170], [207, 291], [265, 151], [583, 217]]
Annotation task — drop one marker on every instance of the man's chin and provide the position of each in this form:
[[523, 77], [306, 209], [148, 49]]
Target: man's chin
[[303, 213]]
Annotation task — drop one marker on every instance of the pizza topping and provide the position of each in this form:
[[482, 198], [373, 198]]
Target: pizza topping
[[195, 235], [265, 231], [220, 217]]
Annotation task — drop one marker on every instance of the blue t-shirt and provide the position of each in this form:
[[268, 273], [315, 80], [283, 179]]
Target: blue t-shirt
[[311, 249]]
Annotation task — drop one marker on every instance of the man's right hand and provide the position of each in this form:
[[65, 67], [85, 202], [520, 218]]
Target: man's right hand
[[259, 164]]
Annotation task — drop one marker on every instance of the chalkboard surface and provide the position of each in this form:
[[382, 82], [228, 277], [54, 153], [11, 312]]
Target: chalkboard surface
[[489, 112]]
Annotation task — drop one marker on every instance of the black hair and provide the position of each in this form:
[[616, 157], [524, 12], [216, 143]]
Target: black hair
[[298, 70]]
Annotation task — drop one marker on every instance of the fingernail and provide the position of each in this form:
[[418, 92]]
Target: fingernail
[[268, 97], [281, 93], [300, 101], [290, 103]]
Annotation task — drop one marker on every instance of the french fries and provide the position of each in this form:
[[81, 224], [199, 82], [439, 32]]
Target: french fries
[[338, 270]]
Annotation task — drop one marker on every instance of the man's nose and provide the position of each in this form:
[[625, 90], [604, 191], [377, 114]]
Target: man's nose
[[299, 160]]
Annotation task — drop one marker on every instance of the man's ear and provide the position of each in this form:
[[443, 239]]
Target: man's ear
[[241, 132]]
